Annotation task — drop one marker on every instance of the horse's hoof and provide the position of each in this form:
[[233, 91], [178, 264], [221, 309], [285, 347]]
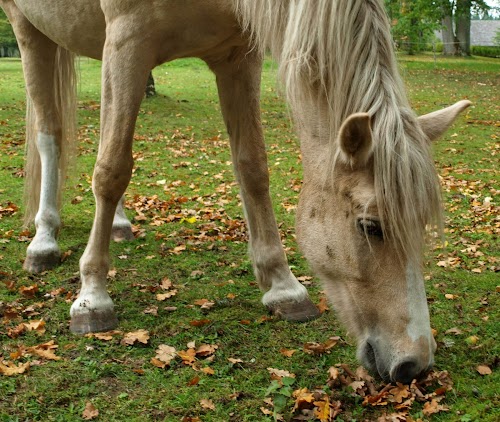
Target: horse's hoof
[[122, 233], [93, 322], [36, 263], [302, 311]]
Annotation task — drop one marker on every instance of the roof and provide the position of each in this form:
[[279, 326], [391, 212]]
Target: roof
[[482, 32]]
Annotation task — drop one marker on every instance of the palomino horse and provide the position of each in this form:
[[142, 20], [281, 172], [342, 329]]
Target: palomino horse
[[370, 187]]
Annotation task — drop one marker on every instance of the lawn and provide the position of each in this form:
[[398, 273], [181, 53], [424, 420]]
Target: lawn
[[186, 280]]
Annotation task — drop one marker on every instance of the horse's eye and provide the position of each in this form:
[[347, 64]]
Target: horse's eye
[[370, 228]]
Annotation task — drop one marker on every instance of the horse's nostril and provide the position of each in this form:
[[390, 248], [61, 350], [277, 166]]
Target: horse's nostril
[[405, 372]]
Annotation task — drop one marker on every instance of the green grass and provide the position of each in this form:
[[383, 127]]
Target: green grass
[[180, 137]]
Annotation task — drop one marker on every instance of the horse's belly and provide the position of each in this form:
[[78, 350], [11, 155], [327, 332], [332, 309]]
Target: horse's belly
[[199, 28], [78, 26]]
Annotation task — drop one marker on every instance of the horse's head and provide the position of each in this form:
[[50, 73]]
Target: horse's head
[[371, 279]]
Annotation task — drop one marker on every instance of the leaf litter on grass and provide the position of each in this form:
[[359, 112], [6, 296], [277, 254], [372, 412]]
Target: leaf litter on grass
[[343, 386]]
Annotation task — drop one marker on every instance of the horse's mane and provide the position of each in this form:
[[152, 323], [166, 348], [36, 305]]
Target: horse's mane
[[341, 52]]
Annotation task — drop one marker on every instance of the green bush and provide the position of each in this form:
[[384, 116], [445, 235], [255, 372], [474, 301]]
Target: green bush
[[490, 51]]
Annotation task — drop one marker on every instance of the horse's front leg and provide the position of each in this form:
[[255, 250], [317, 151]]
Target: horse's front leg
[[125, 69], [238, 82]]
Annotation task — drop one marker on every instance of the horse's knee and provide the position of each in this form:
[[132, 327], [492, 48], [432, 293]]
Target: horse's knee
[[110, 179]]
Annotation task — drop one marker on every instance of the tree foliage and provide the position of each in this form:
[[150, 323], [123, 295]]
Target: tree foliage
[[7, 37], [414, 22]]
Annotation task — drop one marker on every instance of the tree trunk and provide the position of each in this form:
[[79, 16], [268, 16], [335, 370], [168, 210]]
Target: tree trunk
[[150, 86], [462, 19], [450, 46]]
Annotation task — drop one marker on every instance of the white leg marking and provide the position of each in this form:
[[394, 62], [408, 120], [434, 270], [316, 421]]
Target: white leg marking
[[47, 221], [90, 300], [120, 219]]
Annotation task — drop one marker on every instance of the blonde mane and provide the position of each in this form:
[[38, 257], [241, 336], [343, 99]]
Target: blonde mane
[[339, 54]]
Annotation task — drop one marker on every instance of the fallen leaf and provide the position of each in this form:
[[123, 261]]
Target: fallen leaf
[[314, 348], [10, 368], [287, 353], [303, 398], [106, 336], [29, 291], [484, 370], [194, 381], [205, 350], [141, 336], [207, 370], [323, 305], [35, 325], [164, 296], [277, 374], [165, 354], [199, 322], [433, 407], [204, 303], [188, 356], [90, 412], [207, 404], [45, 350]]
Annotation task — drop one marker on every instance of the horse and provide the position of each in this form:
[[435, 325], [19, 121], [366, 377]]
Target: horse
[[370, 188]]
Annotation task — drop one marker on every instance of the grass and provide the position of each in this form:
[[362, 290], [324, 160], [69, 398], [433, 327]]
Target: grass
[[182, 157]]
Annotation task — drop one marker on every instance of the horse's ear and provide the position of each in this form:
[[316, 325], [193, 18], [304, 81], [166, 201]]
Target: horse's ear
[[436, 123], [355, 139]]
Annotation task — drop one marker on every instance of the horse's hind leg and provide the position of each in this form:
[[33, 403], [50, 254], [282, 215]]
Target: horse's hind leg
[[238, 82], [38, 57], [122, 229]]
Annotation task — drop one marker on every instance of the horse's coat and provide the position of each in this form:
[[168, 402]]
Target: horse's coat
[[369, 183]]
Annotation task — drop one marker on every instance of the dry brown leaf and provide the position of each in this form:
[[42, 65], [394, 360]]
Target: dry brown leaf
[[207, 370], [303, 398], [484, 370], [152, 310], [90, 412], [287, 352], [205, 350], [234, 361], [323, 305], [432, 407], [207, 404], [45, 350], [188, 356], [38, 326], [194, 381], [164, 296], [29, 291], [166, 283], [199, 322], [141, 336], [399, 393], [314, 348], [10, 368], [165, 354], [158, 363], [204, 303], [106, 336], [277, 374]]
